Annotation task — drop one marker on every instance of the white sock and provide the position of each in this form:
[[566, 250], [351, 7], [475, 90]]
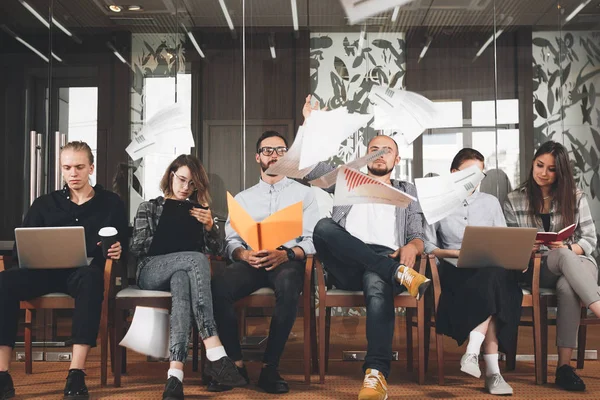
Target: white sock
[[491, 364], [216, 353], [475, 342], [177, 373]]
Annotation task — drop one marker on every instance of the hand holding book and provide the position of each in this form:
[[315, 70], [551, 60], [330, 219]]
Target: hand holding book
[[549, 237]]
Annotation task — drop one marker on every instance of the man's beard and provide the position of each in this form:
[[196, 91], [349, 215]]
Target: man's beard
[[379, 171], [264, 167]]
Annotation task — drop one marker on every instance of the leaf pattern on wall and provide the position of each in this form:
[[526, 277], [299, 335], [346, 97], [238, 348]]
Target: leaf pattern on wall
[[566, 73], [342, 74]]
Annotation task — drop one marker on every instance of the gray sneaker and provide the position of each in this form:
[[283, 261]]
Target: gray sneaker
[[496, 384], [469, 364]]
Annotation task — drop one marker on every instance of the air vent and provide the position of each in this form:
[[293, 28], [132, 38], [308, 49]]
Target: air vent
[[125, 21]]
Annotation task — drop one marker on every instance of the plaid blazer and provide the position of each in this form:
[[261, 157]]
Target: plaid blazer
[[410, 222], [516, 211]]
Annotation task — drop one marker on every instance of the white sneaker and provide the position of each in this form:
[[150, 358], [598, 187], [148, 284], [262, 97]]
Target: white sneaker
[[469, 364], [496, 384]]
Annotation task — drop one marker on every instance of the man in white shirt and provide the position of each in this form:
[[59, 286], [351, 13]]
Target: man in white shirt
[[373, 247]]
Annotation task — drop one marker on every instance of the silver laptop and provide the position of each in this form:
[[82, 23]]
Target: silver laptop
[[494, 246], [51, 248]]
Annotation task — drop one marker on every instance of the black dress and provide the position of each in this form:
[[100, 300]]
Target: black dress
[[470, 296]]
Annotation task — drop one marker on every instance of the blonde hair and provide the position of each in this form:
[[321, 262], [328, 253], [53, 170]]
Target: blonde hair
[[79, 146]]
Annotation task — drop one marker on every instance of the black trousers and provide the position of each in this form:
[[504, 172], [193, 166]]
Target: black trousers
[[239, 280], [84, 284], [355, 265]]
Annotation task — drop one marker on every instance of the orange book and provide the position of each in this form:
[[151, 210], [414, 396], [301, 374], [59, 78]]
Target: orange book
[[270, 233]]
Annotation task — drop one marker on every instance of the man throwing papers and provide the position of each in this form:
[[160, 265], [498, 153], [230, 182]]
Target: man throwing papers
[[373, 247], [281, 269]]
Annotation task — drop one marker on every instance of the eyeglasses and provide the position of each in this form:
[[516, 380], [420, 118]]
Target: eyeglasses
[[183, 182], [267, 151]]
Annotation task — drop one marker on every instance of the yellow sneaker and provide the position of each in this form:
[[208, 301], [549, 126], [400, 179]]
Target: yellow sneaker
[[374, 386], [416, 283]]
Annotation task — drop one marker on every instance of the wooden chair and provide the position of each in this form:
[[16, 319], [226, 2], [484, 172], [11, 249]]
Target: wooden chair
[[54, 301], [343, 298], [432, 299], [265, 297], [128, 298]]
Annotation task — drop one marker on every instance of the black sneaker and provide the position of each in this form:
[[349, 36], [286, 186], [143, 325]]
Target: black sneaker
[[214, 386], [7, 389], [224, 372], [567, 379], [173, 389], [75, 388], [271, 382]]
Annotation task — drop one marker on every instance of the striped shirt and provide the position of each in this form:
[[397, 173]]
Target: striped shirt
[[410, 222], [144, 229], [516, 211], [479, 209]]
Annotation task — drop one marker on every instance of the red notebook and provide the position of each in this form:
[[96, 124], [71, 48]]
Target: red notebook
[[548, 237]]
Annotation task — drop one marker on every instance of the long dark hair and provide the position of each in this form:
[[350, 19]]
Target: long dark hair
[[563, 189], [199, 177]]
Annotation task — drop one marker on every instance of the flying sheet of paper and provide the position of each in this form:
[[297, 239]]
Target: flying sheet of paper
[[288, 165], [354, 187], [330, 178], [439, 196], [167, 128], [275, 230], [149, 332], [358, 10], [324, 131], [402, 110]]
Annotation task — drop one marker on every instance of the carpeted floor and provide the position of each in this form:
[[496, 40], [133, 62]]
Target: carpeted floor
[[145, 380]]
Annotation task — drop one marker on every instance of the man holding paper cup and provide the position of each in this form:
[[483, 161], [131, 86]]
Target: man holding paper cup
[[102, 215], [268, 235]]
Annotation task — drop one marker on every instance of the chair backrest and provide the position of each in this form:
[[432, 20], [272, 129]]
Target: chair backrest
[[497, 184]]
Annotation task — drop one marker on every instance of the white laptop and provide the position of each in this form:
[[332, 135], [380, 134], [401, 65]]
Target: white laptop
[[51, 248], [495, 246]]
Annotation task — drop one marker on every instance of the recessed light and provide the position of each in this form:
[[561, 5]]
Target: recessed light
[[134, 8], [115, 8]]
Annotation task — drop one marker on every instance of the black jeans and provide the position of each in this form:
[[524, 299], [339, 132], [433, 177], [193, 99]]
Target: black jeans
[[354, 265], [84, 284], [237, 281]]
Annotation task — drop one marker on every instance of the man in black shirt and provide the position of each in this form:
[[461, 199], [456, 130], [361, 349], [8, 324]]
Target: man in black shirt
[[77, 204]]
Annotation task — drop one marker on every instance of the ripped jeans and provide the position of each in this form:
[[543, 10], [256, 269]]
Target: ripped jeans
[[187, 276]]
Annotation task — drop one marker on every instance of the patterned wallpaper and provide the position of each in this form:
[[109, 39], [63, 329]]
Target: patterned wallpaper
[[566, 83], [342, 72]]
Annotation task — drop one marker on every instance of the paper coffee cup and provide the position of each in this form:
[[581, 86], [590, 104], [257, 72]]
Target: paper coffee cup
[[108, 237]]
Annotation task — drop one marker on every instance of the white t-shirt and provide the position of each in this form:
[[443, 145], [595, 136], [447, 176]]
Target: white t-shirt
[[373, 224]]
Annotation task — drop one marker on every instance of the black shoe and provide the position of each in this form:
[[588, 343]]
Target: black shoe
[[173, 389], [225, 372], [567, 379], [75, 388], [7, 389], [271, 382], [214, 386]]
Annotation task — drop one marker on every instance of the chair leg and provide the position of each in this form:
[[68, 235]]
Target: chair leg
[[195, 349], [28, 342], [327, 336], [313, 339], [322, 340], [409, 339], [118, 350], [581, 340], [113, 343], [103, 352], [440, 357], [421, 340], [307, 343], [427, 337], [242, 322], [544, 340]]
